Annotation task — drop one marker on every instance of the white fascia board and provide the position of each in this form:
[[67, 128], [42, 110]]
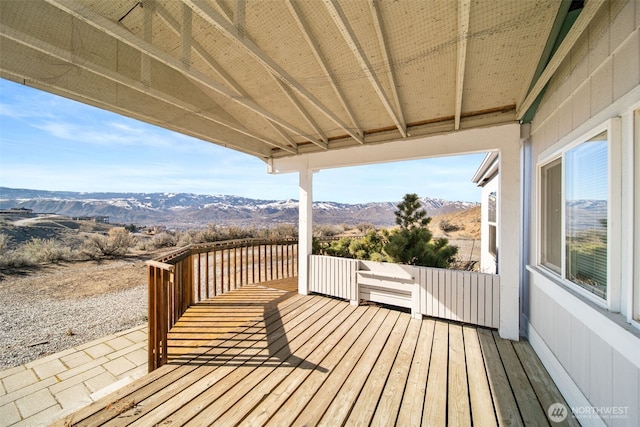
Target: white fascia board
[[477, 140], [487, 169]]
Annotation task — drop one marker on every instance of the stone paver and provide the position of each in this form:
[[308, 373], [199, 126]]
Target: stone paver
[[20, 380], [9, 413], [49, 369], [48, 389], [36, 402], [99, 350]]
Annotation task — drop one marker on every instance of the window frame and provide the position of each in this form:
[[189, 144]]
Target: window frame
[[614, 212]]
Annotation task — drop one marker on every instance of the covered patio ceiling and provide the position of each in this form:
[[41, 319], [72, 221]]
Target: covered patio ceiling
[[279, 78]]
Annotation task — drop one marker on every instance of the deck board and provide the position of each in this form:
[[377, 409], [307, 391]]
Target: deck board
[[435, 407], [391, 399], [416, 387], [279, 358]]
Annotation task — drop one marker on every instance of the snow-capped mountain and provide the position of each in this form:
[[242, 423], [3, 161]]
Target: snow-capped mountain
[[189, 210]]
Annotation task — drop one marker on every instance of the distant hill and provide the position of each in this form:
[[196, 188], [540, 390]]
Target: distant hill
[[182, 210]]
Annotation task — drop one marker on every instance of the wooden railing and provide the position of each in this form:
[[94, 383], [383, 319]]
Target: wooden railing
[[201, 271]]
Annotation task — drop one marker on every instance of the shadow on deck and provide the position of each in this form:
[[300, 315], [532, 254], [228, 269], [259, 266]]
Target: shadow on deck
[[266, 356]]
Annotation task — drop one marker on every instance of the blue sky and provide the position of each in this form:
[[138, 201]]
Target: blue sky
[[51, 143]]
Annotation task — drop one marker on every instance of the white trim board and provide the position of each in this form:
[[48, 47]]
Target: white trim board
[[570, 391], [476, 140]]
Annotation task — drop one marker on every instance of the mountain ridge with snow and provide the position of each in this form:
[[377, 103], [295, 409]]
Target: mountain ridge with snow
[[189, 209]]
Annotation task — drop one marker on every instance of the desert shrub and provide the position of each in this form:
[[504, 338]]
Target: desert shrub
[[184, 238], [4, 243], [339, 248], [114, 244], [15, 258], [448, 227], [232, 233], [209, 234], [132, 228], [323, 230], [41, 251], [364, 227], [369, 247], [281, 231], [163, 240]]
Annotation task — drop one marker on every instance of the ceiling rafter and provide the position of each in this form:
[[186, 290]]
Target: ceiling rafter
[[203, 9], [97, 21], [464, 7], [186, 36], [239, 17], [591, 8], [347, 33], [66, 57], [377, 23], [55, 52], [324, 144], [306, 33], [209, 60]]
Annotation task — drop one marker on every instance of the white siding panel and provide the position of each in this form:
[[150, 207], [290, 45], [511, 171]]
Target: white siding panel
[[602, 86], [622, 22], [601, 376], [563, 350], [481, 300], [579, 63], [333, 276], [565, 116], [626, 66], [599, 40], [626, 392], [467, 297], [474, 299], [582, 104], [579, 365], [460, 295]]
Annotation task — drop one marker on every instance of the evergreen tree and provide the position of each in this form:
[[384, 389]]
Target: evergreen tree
[[412, 243], [410, 214]]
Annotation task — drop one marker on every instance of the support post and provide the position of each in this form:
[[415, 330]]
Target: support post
[[305, 229], [509, 242]]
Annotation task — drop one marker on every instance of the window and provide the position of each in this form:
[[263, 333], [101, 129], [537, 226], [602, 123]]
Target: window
[[492, 220], [586, 200], [552, 215], [574, 214]]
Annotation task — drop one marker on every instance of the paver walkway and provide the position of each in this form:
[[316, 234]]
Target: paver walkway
[[47, 389]]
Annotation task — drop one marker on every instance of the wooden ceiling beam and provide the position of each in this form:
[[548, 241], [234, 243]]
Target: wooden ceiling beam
[[97, 21], [324, 144], [210, 61], [386, 63], [202, 8], [349, 37], [142, 87], [464, 7], [305, 30]]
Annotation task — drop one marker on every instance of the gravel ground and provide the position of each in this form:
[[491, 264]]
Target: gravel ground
[[37, 318]]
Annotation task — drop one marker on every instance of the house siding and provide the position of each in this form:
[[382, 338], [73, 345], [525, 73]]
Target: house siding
[[593, 355]]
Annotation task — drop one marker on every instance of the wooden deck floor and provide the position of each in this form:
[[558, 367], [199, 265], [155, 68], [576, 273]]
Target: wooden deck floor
[[312, 360]]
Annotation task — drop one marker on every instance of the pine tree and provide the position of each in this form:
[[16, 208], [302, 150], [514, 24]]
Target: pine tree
[[410, 213], [413, 243]]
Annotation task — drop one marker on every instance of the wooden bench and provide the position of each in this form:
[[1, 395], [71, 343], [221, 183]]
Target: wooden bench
[[397, 290]]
